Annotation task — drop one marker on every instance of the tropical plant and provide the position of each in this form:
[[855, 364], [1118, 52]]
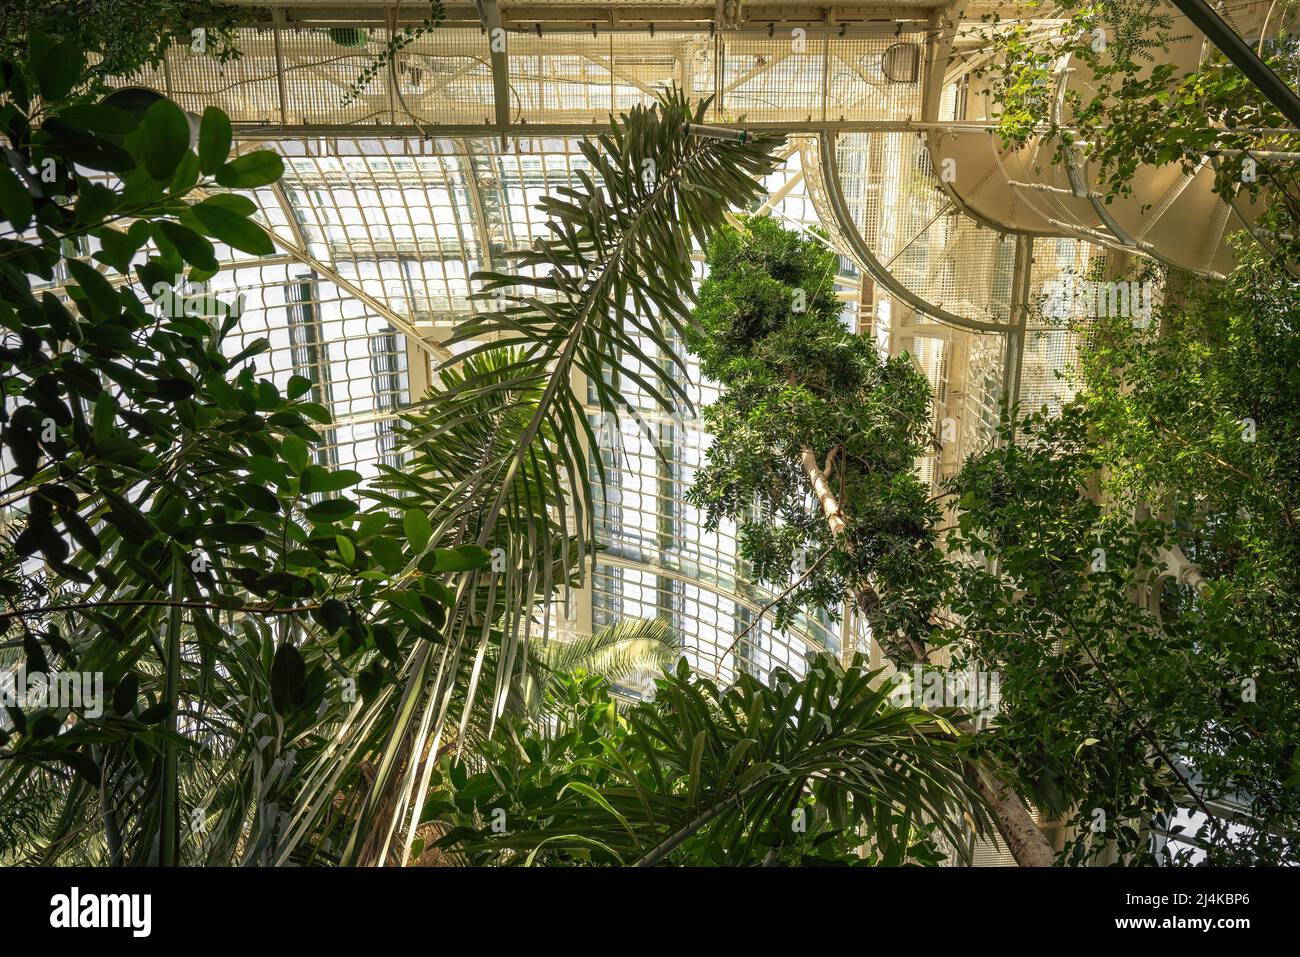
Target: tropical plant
[[627, 647], [818, 770], [124, 35], [168, 536], [506, 436], [1144, 607], [1209, 112], [815, 437]]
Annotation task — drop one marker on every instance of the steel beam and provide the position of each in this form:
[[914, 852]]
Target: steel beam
[[297, 248], [490, 17], [1243, 57], [1014, 347]]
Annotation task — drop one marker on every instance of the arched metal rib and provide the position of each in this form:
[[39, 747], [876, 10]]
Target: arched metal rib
[[863, 255]]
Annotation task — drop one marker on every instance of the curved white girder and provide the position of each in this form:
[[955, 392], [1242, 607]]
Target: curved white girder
[[840, 222]]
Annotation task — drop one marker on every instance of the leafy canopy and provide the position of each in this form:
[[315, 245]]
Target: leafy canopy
[[794, 380], [169, 527], [1127, 692]]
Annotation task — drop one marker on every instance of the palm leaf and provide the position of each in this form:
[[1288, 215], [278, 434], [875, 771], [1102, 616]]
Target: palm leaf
[[730, 766], [617, 651], [614, 273]]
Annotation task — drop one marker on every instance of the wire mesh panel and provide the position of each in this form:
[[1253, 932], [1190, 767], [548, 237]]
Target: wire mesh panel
[[444, 76], [565, 76], [641, 68], [781, 78], [341, 77], [1063, 269], [875, 77], [895, 202], [285, 76], [976, 405]]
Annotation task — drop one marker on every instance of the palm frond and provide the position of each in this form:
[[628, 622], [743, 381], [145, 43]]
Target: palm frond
[[629, 647], [704, 771], [614, 273]]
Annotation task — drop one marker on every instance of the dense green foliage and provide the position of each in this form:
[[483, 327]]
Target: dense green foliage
[[795, 380], [298, 669], [171, 531], [1122, 47], [271, 646], [507, 434], [1125, 695], [124, 35], [1111, 669], [792, 771]]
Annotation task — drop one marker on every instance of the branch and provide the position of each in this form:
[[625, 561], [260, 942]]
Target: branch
[[775, 601], [164, 603]]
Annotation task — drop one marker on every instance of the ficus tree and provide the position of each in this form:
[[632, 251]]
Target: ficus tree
[[168, 535], [816, 441], [1143, 609], [815, 438]]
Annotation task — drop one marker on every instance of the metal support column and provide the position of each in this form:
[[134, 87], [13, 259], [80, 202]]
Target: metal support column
[[1013, 353], [490, 16]]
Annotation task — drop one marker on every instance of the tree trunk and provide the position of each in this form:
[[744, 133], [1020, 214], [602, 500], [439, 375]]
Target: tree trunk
[[825, 497], [1019, 832], [866, 597]]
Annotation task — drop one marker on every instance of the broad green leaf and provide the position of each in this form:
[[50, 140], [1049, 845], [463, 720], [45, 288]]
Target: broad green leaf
[[100, 118], [461, 559], [417, 527], [59, 71], [331, 509], [100, 292], [387, 551], [233, 202], [164, 139], [233, 229], [235, 533], [194, 248], [294, 450], [15, 200], [260, 168], [214, 140], [257, 496], [288, 680]]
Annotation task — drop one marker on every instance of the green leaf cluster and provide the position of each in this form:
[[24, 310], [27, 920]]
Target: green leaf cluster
[[793, 771]]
